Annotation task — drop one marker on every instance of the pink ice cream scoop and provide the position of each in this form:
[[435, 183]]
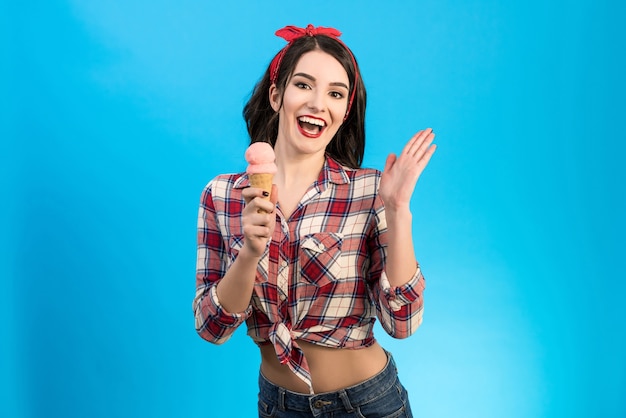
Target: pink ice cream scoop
[[261, 167], [260, 157]]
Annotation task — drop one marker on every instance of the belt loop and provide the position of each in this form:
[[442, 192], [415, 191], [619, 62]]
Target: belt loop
[[346, 401], [391, 362], [281, 399]]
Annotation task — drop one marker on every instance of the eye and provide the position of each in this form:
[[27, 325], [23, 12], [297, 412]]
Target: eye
[[302, 85], [336, 94]]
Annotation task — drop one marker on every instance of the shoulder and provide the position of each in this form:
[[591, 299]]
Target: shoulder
[[224, 187], [363, 173], [365, 180], [354, 177], [225, 181]]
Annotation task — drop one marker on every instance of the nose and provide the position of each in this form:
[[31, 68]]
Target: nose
[[317, 101]]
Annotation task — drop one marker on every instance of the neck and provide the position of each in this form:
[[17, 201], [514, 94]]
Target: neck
[[296, 171]]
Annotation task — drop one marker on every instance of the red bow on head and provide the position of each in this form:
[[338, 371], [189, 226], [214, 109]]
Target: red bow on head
[[291, 33]]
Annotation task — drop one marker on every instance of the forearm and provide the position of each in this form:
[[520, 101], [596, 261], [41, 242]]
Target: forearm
[[235, 289], [400, 264], [399, 294]]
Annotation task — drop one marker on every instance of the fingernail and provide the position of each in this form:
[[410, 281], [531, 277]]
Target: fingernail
[[265, 193]]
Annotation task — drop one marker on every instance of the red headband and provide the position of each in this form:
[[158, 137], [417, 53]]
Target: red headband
[[291, 33]]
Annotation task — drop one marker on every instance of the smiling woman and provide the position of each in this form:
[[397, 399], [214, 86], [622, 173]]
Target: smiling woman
[[314, 103], [310, 269]]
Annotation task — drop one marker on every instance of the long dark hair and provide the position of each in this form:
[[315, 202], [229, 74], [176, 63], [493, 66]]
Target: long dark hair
[[348, 144]]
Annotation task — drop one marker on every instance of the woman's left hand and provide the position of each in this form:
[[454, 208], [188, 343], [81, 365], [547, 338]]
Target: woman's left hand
[[402, 172]]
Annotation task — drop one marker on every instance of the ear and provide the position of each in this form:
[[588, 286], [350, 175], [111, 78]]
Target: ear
[[274, 96]]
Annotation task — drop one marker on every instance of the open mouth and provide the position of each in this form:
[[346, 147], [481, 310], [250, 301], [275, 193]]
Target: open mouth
[[311, 127]]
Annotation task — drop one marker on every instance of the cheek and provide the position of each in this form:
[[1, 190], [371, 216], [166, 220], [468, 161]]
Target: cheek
[[289, 106], [339, 111], [337, 124]]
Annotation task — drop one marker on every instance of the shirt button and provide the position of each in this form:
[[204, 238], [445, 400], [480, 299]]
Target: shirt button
[[283, 264]]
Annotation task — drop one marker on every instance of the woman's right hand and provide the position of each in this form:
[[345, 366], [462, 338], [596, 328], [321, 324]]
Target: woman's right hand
[[258, 220]]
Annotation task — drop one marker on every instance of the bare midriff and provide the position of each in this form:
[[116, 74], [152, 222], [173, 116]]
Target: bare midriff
[[331, 368]]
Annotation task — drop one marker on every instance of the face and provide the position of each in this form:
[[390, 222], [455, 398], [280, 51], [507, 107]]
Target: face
[[313, 105]]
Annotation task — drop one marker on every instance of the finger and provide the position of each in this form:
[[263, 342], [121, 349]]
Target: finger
[[257, 231], [249, 193], [257, 214], [409, 144], [258, 206], [425, 145], [415, 141], [253, 194], [420, 138], [266, 203], [391, 159], [417, 151], [427, 155], [273, 198], [263, 205]]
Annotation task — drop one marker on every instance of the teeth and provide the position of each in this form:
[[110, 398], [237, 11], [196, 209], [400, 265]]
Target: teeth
[[311, 121]]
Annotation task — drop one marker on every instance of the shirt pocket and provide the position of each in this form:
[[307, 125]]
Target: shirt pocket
[[321, 260]]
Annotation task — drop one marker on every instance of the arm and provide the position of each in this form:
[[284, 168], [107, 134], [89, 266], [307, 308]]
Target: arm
[[400, 284], [399, 307], [396, 188], [223, 294]]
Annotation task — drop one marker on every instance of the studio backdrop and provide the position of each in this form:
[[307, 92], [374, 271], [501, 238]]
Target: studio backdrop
[[116, 114]]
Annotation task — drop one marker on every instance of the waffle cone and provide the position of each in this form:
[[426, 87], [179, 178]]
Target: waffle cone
[[262, 181]]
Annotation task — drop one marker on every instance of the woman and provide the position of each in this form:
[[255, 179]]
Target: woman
[[312, 267]]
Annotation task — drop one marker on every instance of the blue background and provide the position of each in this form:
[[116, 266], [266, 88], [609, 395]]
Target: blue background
[[114, 115]]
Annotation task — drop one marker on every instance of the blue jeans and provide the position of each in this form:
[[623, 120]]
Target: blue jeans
[[381, 396]]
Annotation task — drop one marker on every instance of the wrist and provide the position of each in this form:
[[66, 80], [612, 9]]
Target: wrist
[[398, 214], [248, 255]]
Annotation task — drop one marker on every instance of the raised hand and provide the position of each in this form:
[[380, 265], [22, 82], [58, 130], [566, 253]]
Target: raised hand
[[402, 172]]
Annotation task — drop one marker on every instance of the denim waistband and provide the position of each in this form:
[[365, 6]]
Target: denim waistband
[[343, 399]]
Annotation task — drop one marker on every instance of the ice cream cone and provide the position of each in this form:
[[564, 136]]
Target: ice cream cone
[[262, 181], [261, 167]]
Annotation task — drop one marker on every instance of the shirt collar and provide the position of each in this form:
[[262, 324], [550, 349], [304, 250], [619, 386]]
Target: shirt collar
[[332, 172]]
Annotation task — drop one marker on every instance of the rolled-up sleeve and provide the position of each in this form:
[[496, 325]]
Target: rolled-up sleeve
[[399, 308], [212, 321]]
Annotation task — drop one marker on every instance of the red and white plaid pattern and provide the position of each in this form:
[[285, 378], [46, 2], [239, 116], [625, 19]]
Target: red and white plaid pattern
[[321, 278]]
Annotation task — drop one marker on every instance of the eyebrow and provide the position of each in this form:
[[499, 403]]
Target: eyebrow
[[310, 77]]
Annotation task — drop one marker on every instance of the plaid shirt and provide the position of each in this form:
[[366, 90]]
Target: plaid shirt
[[321, 278]]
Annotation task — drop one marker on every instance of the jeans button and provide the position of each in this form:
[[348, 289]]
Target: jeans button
[[320, 403]]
